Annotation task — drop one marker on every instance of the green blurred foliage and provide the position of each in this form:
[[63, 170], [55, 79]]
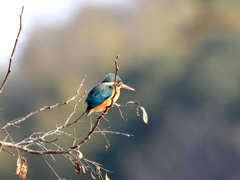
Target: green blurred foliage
[[182, 57]]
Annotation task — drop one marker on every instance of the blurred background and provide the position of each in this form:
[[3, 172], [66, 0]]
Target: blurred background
[[182, 57]]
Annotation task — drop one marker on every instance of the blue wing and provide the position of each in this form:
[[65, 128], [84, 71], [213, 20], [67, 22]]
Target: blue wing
[[97, 95]]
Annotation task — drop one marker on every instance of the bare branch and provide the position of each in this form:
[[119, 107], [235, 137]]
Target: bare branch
[[30, 151], [115, 82], [8, 151], [124, 119], [3, 142], [51, 168], [13, 51], [19, 120]]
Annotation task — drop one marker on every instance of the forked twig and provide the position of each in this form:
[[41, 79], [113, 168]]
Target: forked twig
[[13, 51]]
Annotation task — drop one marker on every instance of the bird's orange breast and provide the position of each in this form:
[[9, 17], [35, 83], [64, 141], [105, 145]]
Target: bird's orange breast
[[107, 102]]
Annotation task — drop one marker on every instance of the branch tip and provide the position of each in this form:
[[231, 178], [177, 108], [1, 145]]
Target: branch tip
[[14, 47]]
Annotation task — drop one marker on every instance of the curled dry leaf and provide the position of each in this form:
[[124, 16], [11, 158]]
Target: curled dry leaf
[[24, 169], [124, 119], [18, 168], [98, 172], [83, 168], [145, 116], [107, 146], [92, 175], [78, 168], [137, 112], [106, 176], [131, 102], [100, 177]]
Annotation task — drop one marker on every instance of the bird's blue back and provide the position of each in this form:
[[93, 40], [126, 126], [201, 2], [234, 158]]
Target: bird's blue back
[[98, 94]]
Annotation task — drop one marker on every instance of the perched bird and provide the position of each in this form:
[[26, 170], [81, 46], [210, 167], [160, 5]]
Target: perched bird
[[100, 96]]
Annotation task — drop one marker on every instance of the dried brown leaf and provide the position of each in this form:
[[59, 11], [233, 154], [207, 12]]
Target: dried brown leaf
[[18, 166], [107, 146], [145, 116], [137, 112], [121, 114], [100, 177], [98, 172], [106, 176], [78, 168], [24, 169], [83, 168], [131, 102], [93, 176]]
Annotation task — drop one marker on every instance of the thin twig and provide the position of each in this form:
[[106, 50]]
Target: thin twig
[[51, 168], [95, 163], [14, 48], [74, 136], [115, 81], [11, 140], [75, 106], [30, 151], [89, 134], [75, 120], [91, 124], [117, 68], [3, 142], [102, 117], [19, 120], [8, 151], [113, 132], [124, 119]]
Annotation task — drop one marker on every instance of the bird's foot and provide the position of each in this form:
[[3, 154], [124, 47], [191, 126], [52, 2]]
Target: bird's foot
[[105, 111], [118, 105]]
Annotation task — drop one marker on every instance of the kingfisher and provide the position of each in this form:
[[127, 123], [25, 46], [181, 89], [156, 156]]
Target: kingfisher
[[100, 96]]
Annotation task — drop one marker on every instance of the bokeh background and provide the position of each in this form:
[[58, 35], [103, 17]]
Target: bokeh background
[[182, 57]]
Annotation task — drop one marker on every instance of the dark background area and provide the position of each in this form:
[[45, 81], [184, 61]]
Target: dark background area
[[182, 57]]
